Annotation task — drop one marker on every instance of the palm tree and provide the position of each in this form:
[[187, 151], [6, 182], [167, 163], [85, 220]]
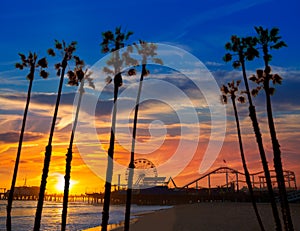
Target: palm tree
[[75, 77], [113, 42], [32, 63], [67, 52], [244, 48], [269, 40], [145, 50], [230, 91]]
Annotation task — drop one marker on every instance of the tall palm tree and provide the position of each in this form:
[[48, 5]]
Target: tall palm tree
[[244, 48], [76, 77], [268, 40], [146, 50], [230, 91], [32, 62], [113, 42], [67, 53]]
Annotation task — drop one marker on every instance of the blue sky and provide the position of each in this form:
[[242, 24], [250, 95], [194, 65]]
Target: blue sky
[[200, 27]]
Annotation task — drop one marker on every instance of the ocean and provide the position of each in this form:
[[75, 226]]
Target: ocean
[[80, 215]]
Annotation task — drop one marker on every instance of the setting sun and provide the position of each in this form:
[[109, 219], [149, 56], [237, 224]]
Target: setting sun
[[61, 183]]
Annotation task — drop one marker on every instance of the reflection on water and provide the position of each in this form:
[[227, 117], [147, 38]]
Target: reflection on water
[[80, 215]]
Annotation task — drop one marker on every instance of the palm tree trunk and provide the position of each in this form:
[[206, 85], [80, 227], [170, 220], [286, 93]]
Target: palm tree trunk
[[48, 152], [14, 179], [131, 164], [285, 209], [109, 170], [69, 157], [247, 175], [252, 114]]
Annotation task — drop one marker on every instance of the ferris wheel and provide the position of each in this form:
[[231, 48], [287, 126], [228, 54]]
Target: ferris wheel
[[142, 168]]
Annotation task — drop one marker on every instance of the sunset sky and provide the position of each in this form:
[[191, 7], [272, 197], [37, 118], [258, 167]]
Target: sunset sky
[[200, 28]]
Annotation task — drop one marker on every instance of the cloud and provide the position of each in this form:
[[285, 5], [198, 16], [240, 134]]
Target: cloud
[[12, 137], [219, 12], [214, 64], [9, 63], [289, 74], [159, 123]]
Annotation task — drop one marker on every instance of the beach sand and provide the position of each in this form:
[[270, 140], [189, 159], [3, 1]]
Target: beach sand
[[216, 216]]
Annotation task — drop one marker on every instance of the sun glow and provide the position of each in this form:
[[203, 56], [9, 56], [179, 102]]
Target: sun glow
[[60, 185]]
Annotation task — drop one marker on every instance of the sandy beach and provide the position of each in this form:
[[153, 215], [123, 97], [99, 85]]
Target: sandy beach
[[216, 216]]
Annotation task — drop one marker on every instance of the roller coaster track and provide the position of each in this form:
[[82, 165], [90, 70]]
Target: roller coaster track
[[228, 170]]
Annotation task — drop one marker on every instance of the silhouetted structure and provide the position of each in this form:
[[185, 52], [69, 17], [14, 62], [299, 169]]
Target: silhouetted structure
[[200, 189], [25, 193], [196, 190]]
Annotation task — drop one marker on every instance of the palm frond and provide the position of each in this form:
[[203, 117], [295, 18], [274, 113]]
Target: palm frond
[[43, 63], [44, 74]]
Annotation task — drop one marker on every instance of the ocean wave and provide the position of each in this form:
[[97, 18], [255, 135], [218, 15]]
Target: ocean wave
[[80, 215]]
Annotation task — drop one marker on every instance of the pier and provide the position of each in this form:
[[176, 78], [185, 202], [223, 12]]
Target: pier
[[161, 192], [2, 193]]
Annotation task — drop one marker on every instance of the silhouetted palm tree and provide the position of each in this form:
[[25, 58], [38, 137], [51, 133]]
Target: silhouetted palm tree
[[113, 42], [76, 77], [230, 91], [67, 53], [146, 50], [244, 48], [268, 40], [32, 63]]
